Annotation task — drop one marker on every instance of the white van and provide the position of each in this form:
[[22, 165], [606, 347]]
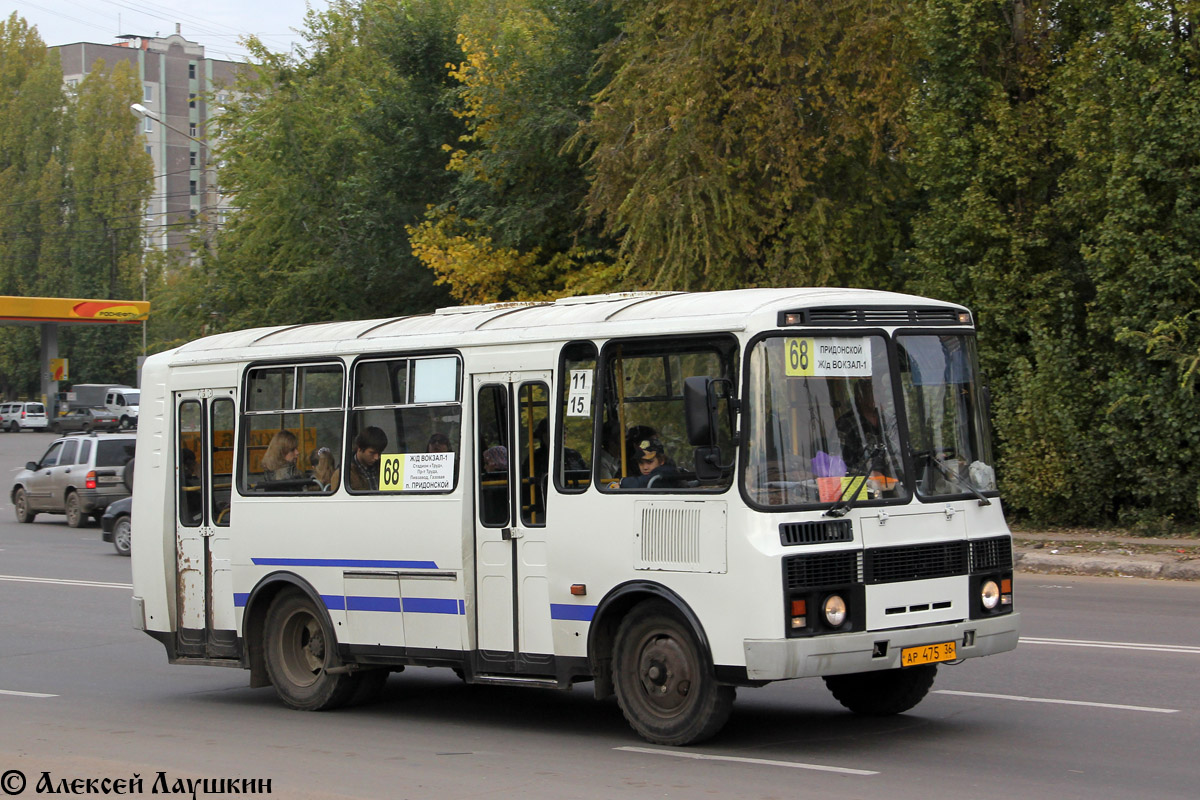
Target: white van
[[15, 417]]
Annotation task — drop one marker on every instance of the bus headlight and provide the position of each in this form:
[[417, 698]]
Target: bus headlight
[[834, 610], [989, 595]]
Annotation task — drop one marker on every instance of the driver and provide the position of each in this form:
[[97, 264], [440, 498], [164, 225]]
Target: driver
[[861, 433]]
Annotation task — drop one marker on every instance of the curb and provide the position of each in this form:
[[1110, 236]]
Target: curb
[[1132, 566]]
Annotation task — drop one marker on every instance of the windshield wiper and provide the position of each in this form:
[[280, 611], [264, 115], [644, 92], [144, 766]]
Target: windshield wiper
[[856, 486], [954, 476]]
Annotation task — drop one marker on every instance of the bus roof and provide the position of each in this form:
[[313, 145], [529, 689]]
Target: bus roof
[[594, 316]]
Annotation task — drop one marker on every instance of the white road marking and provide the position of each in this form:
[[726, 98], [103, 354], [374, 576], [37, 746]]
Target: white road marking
[[764, 762], [1022, 699], [1154, 648], [26, 694], [65, 582]]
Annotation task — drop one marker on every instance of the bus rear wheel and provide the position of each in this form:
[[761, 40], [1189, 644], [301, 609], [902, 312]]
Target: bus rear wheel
[[664, 683], [881, 694], [300, 650]]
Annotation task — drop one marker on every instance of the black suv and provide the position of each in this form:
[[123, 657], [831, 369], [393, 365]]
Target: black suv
[[78, 476]]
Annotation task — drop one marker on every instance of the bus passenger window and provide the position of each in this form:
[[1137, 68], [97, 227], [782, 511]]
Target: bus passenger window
[[188, 467], [576, 377], [643, 435], [533, 441], [404, 426], [221, 461], [491, 411], [291, 413]]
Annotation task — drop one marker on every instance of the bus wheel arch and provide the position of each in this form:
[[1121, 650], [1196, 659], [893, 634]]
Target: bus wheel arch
[[612, 610], [254, 619]]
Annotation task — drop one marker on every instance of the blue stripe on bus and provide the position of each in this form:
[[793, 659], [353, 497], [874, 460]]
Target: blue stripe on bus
[[572, 612], [424, 605], [342, 562]]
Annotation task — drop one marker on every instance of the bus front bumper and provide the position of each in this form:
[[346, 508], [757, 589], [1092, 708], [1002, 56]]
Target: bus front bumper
[[839, 654]]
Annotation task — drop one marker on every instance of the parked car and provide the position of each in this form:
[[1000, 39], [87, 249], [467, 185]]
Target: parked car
[[78, 476], [15, 417], [115, 524], [86, 419]]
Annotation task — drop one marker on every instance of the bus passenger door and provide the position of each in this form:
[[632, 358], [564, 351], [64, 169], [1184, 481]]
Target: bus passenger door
[[205, 623], [511, 481]]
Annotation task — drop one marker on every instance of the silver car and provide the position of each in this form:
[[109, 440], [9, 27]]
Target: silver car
[[78, 476]]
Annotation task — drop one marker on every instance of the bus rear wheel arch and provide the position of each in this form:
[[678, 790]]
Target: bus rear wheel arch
[[664, 679], [300, 651]]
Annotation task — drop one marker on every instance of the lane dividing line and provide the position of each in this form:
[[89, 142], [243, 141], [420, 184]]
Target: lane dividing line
[[762, 762], [1019, 698], [1154, 648], [26, 694], [65, 582]]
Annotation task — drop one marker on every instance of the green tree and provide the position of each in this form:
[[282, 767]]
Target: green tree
[[513, 223], [330, 153], [754, 143], [31, 176], [1131, 122]]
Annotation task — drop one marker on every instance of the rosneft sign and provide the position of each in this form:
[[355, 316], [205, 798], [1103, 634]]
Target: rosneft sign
[[113, 311], [68, 311]]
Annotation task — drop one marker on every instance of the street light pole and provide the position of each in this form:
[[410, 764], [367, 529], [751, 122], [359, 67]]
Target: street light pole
[[141, 112]]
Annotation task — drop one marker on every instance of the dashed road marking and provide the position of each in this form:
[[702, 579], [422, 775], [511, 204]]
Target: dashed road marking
[[66, 582], [762, 762], [1054, 701], [26, 694], [1186, 649]]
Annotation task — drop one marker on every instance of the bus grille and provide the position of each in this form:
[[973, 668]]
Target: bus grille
[[823, 569], [816, 532], [881, 316], [916, 562], [991, 554]]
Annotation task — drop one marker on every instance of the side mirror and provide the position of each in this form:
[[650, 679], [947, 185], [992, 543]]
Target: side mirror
[[32, 466], [707, 463]]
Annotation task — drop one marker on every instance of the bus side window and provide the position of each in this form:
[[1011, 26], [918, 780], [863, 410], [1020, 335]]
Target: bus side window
[[492, 414], [291, 414], [221, 460], [405, 407], [643, 438], [577, 406]]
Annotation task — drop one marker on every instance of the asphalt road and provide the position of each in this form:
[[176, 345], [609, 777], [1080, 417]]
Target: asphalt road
[[1098, 701]]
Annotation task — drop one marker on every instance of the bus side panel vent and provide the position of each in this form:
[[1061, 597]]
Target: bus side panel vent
[[823, 569], [680, 537], [988, 555], [816, 532]]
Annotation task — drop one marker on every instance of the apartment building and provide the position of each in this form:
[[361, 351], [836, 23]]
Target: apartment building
[[177, 82]]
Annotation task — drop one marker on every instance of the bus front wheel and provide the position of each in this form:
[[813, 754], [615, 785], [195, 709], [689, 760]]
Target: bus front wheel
[[664, 684], [881, 694], [300, 651]]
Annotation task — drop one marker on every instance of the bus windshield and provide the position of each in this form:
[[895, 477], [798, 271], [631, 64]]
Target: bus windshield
[[945, 414], [822, 417]]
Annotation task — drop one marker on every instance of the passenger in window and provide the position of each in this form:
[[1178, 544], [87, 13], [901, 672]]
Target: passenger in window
[[279, 462], [572, 460], [495, 459], [191, 485], [325, 471], [438, 443], [655, 470], [364, 467], [633, 438]]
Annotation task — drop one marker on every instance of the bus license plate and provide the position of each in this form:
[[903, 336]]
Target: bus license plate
[[927, 654]]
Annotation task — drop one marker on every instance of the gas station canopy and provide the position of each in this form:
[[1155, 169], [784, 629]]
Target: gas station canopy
[[70, 311], [50, 312]]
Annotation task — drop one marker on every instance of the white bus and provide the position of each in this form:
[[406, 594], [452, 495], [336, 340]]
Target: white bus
[[668, 494]]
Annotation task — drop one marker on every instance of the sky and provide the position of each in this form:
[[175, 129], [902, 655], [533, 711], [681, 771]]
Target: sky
[[216, 24]]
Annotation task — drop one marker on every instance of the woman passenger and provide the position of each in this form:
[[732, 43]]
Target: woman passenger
[[279, 462]]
